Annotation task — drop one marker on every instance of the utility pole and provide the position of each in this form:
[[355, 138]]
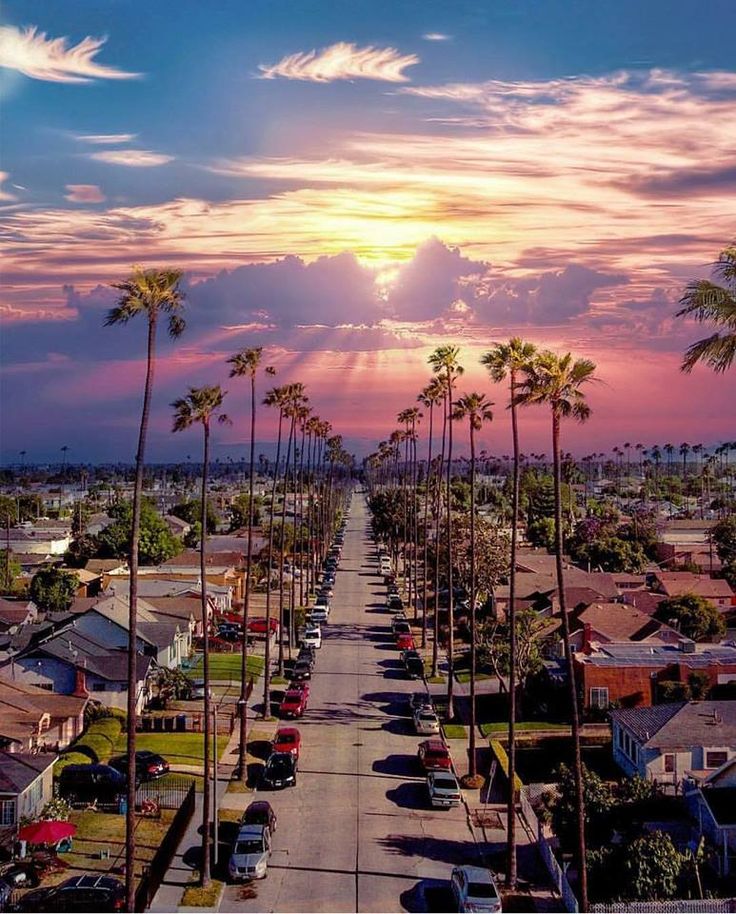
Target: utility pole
[[215, 815]]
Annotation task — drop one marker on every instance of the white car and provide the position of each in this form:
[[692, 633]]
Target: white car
[[312, 636], [443, 789], [318, 614], [426, 722], [475, 890], [249, 859]]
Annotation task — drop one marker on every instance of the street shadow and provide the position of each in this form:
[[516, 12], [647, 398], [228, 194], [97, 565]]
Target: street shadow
[[428, 895], [259, 748], [387, 702], [401, 726], [397, 672], [192, 857], [411, 795], [429, 847], [399, 765], [255, 773]]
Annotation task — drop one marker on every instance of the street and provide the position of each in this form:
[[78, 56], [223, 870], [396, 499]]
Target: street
[[357, 834]]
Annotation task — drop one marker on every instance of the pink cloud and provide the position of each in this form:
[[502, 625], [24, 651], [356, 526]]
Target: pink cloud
[[84, 193]]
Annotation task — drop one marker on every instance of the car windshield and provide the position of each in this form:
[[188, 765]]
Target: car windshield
[[285, 738], [251, 846], [278, 764], [430, 718], [445, 783], [481, 890]]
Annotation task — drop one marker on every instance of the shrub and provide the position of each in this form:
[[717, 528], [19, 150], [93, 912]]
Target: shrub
[[95, 745]]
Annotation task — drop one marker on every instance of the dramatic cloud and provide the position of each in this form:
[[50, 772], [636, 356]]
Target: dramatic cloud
[[51, 59], [342, 61], [132, 158], [106, 139], [84, 193]]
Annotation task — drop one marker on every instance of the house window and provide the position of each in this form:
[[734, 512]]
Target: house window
[[7, 812], [716, 759], [669, 763], [599, 698]]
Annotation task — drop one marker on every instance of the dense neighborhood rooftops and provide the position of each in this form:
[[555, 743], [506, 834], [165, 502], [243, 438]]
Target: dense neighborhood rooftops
[[681, 724], [676, 583]]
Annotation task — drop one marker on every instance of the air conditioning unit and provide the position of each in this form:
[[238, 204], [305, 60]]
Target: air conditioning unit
[[687, 646]]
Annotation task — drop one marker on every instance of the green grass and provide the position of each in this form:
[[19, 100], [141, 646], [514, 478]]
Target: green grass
[[464, 676], [196, 897], [278, 680], [176, 748], [228, 666], [436, 680], [455, 731], [501, 727]]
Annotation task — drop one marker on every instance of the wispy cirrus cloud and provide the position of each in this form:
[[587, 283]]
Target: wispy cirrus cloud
[[105, 139], [52, 59], [84, 193], [342, 60], [436, 36], [132, 158]]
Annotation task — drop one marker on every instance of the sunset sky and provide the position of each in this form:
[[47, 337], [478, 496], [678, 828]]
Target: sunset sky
[[350, 183]]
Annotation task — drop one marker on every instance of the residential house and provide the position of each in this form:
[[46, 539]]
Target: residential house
[[32, 718], [681, 532], [711, 801], [671, 742], [26, 786], [176, 525], [39, 538], [603, 623], [16, 613], [628, 673], [678, 583]]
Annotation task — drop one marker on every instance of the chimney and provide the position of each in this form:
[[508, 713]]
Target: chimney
[[587, 633], [80, 685]]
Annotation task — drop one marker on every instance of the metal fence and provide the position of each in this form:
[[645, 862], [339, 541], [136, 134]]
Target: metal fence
[[556, 872], [681, 906], [171, 793]]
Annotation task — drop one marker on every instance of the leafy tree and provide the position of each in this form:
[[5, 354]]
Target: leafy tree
[[651, 868], [8, 510], [541, 532], [53, 590], [491, 555], [494, 646], [598, 801], [157, 543], [694, 616], [239, 511], [30, 506], [81, 550], [191, 512], [9, 570], [723, 536]]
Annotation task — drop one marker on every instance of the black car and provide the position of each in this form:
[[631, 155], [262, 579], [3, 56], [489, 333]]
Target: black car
[[148, 765], [80, 893], [394, 602], [302, 669], [280, 770], [414, 667], [92, 783], [306, 654], [400, 627], [260, 812], [229, 634]]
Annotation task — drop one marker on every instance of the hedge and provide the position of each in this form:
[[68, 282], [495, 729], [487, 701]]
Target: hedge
[[503, 760], [95, 745]]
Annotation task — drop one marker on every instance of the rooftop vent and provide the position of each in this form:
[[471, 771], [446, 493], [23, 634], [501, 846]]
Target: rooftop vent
[[687, 646]]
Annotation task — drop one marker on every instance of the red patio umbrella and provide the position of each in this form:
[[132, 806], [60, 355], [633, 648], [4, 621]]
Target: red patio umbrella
[[47, 832]]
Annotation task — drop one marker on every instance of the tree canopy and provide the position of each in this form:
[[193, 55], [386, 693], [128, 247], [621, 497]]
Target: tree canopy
[[157, 542], [694, 616], [53, 589]]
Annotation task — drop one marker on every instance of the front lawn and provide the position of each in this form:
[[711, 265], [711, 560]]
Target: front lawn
[[501, 727], [464, 676], [455, 731], [228, 667], [176, 748]]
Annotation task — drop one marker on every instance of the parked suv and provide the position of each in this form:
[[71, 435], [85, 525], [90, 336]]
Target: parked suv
[[92, 783], [80, 893], [148, 765]]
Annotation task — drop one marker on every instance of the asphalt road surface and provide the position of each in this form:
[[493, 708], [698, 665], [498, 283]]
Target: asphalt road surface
[[357, 833]]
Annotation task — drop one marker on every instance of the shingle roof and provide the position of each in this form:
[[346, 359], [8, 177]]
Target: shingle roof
[[644, 722], [18, 770], [683, 724], [620, 622]]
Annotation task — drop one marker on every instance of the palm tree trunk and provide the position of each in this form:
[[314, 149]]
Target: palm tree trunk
[[450, 595], [267, 659], [472, 770], [242, 748], [511, 811], [302, 527], [132, 703], [575, 718], [206, 789], [438, 523], [427, 482], [281, 545]]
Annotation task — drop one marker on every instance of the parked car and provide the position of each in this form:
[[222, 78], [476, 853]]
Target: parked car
[[287, 739], [414, 665], [302, 669], [322, 600], [419, 700], [293, 704], [80, 893], [6, 894], [258, 626], [280, 770], [249, 858], [426, 722], [148, 765], [475, 890], [308, 654], [317, 615], [260, 812], [326, 591], [394, 602], [404, 641], [433, 755], [443, 789], [400, 627], [301, 686], [92, 783], [312, 636]]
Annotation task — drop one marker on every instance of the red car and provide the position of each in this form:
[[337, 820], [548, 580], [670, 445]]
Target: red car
[[258, 626], [294, 704], [287, 739], [300, 686], [404, 641], [433, 755]]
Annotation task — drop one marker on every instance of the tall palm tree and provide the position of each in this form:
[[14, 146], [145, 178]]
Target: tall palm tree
[[200, 406], [476, 409], [156, 294], [430, 397], [295, 402], [684, 451], [557, 381], [707, 301], [245, 365], [509, 360], [444, 362]]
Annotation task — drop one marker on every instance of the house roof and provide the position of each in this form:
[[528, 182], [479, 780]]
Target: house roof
[[620, 622], [191, 559], [682, 724], [676, 583], [103, 565], [83, 652], [657, 656], [644, 601], [19, 770], [13, 612], [181, 607]]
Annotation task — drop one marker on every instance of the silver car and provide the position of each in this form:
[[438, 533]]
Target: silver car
[[475, 890], [249, 859], [443, 789]]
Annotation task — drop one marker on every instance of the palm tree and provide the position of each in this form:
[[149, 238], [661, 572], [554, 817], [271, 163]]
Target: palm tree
[[200, 406], [684, 451], [477, 410], [156, 294], [245, 365], [444, 362], [707, 301], [557, 381], [430, 397], [509, 360]]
